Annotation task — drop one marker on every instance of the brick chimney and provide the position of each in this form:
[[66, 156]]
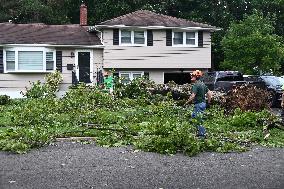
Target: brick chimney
[[83, 15]]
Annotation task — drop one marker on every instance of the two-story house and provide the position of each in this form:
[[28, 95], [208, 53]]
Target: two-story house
[[140, 43], [163, 47]]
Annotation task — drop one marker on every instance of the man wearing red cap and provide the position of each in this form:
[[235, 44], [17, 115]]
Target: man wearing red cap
[[198, 92]]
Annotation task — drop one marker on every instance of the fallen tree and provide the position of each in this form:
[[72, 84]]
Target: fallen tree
[[247, 98]]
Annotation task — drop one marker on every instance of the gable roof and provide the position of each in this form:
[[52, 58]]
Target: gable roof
[[47, 34], [148, 18]]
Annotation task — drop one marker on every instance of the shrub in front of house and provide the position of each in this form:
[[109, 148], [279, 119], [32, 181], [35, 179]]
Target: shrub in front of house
[[4, 99], [46, 89]]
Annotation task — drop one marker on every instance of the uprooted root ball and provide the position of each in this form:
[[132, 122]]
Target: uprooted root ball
[[246, 97]]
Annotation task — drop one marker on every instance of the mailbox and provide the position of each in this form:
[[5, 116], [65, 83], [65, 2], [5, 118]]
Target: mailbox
[[70, 66]]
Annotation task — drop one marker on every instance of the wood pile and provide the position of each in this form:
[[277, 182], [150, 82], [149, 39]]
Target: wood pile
[[246, 97]]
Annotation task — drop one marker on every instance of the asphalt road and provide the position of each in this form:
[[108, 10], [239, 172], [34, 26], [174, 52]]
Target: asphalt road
[[75, 165]]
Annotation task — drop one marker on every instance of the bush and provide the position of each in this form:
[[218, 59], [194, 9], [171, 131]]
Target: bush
[[83, 97], [4, 99], [52, 82], [136, 88], [47, 89], [150, 93], [37, 90], [178, 92]]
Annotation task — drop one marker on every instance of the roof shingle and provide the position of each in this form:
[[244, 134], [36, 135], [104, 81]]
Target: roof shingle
[[148, 18], [46, 34]]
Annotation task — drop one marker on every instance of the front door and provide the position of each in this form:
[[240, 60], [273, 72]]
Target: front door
[[84, 73]]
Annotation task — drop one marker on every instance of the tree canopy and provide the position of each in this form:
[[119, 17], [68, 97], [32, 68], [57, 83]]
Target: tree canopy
[[252, 47]]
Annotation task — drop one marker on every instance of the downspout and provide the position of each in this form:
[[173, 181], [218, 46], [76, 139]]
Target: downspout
[[103, 59]]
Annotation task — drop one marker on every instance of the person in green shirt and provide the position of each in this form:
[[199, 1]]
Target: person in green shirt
[[198, 92], [108, 82]]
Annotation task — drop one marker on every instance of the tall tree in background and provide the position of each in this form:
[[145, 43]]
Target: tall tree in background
[[252, 47], [8, 9], [34, 11], [272, 7]]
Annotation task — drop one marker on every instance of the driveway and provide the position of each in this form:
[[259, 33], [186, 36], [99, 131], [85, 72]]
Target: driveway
[[75, 165]]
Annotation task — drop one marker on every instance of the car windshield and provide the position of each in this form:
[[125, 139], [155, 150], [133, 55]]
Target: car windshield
[[281, 79], [273, 81], [231, 78]]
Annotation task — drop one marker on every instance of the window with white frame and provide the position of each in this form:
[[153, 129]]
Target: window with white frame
[[185, 39], [50, 61], [29, 59], [10, 60], [133, 37], [126, 77], [178, 38], [125, 37]]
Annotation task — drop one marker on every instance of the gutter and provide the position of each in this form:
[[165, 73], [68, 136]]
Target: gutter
[[94, 29], [155, 27], [51, 45]]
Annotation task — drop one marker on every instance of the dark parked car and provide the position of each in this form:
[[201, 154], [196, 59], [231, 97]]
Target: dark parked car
[[223, 80], [274, 85]]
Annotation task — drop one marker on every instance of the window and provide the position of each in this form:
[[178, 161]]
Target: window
[[185, 39], [190, 38], [136, 75], [125, 37], [126, 77], [139, 37], [29, 59], [10, 59], [49, 61], [130, 37], [178, 38]]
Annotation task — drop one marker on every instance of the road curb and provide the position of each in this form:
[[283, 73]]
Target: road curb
[[72, 139]]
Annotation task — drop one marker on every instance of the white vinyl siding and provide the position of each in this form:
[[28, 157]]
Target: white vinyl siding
[[29, 59], [132, 38], [158, 56], [12, 83], [182, 39]]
